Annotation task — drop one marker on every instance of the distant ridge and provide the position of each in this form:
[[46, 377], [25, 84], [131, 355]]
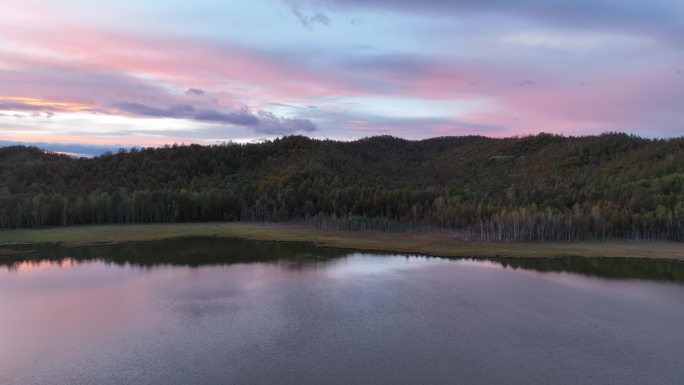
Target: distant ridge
[[27, 153]]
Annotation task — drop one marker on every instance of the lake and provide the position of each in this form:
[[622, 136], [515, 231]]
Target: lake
[[219, 311]]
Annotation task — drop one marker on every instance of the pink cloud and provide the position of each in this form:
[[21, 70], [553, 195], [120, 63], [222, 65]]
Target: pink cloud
[[182, 62]]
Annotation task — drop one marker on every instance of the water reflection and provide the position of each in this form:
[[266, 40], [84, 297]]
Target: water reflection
[[196, 252], [611, 268], [217, 311]]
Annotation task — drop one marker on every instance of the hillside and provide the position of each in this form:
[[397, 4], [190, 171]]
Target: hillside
[[543, 187]]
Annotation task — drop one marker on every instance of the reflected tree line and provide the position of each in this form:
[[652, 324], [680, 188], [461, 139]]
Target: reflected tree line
[[612, 268], [543, 187], [187, 252], [212, 251]]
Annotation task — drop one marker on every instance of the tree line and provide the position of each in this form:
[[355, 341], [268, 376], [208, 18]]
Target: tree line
[[542, 187]]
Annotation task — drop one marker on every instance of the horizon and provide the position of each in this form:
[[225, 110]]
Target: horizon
[[89, 151], [96, 78]]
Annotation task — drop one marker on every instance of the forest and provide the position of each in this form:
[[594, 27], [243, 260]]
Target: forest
[[533, 188]]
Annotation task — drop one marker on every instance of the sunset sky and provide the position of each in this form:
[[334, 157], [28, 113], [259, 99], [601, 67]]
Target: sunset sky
[[147, 73]]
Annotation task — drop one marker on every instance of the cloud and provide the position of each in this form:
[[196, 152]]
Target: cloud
[[195, 91], [274, 125], [526, 84], [309, 21], [263, 122], [240, 118], [106, 63], [69, 86], [37, 107], [397, 63], [38, 115], [660, 19], [174, 111], [19, 106], [352, 123]]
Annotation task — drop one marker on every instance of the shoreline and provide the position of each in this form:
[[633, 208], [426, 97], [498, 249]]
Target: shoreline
[[425, 244]]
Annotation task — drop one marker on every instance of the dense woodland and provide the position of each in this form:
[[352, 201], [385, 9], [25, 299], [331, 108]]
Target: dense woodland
[[544, 187]]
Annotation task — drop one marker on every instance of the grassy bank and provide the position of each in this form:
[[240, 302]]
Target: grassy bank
[[433, 244]]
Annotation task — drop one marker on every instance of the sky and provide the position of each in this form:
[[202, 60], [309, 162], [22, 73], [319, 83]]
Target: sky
[[109, 74]]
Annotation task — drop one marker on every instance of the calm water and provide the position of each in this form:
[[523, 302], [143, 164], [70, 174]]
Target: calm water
[[211, 311]]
